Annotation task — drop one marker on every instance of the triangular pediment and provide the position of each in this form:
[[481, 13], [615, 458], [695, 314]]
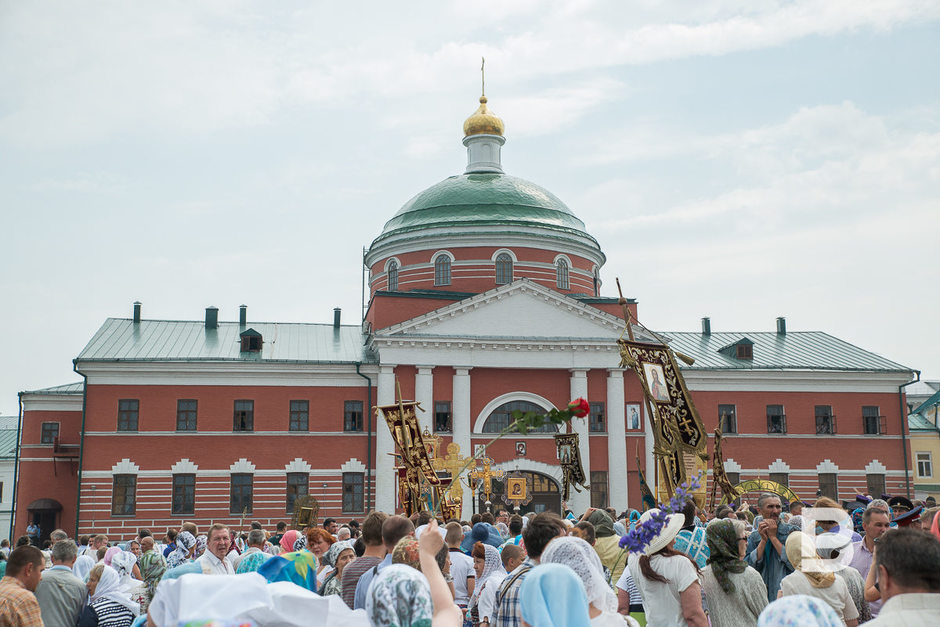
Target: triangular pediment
[[522, 309]]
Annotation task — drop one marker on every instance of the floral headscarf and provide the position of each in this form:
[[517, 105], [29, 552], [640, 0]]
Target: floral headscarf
[[123, 563], [288, 539], [300, 543], [406, 552], [335, 550], [723, 553], [799, 610], [184, 542], [581, 557], [492, 565], [399, 596], [297, 567], [201, 543], [152, 567]]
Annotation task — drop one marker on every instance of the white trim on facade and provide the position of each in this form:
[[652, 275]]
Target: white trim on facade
[[353, 465], [508, 398], [184, 467], [779, 466], [225, 373], [875, 467], [500, 251], [732, 466], [297, 465], [125, 467], [826, 465], [532, 465], [444, 252], [242, 465]]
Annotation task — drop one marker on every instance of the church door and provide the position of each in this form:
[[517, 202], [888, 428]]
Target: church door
[[546, 496]]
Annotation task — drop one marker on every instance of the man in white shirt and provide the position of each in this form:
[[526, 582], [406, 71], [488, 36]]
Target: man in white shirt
[[214, 560], [908, 578], [461, 565]]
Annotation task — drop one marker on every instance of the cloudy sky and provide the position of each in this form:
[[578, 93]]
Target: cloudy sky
[[740, 160]]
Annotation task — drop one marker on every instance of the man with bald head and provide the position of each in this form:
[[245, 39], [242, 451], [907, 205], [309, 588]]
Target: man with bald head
[[152, 566]]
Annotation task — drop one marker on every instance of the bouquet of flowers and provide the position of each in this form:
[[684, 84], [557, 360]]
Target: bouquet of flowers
[[638, 538]]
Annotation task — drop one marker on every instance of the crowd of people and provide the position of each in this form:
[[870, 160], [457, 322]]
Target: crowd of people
[[874, 561]]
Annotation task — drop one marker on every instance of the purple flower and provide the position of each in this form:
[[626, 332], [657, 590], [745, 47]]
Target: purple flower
[[638, 538]]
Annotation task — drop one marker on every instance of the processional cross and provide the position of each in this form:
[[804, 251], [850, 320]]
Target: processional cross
[[452, 463], [486, 475]]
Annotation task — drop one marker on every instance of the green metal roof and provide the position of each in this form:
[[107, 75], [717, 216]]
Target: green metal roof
[[67, 389], [484, 199], [119, 339], [919, 422], [7, 443], [800, 350], [930, 402]]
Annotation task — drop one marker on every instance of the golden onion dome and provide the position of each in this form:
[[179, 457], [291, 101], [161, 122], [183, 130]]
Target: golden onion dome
[[483, 122]]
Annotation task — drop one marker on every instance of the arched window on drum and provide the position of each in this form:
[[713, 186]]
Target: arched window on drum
[[442, 270], [500, 417], [393, 276], [561, 274], [503, 269]]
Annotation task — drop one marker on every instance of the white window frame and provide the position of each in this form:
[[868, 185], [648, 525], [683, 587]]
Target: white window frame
[[928, 461]]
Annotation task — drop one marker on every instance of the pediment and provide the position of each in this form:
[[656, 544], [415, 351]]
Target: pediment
[[522, 309]]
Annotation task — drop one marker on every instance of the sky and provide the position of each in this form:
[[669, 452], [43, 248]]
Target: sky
[[740, 160]]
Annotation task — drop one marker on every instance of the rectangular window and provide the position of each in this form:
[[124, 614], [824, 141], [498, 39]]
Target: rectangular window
[[299, 415], [734, 477], [353, 500], [352, 416], [185, 415], [776, 419], [443, 418], [829, 485], [873, 421], [825, 421], [124, 495], [50, 431], [728, 418], [783, 478], [298, 484], [599, 488], [242, 493], [924, 465], [876, 485], [128, 410], [184, 495], [598, 423], [244, 416]]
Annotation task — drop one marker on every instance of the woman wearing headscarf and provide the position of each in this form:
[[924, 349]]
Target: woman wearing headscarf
[[297, 567], [185, 547], [607, 543], [339, 555], [488, 566], [82, 566], [667, 579], [123, 563], [580, 557], [810, 577], [108, 604], [110, 553], [552, 596], [399, 596], [201, 543], [833, 546], [799, 611], [287, 541], [735, 592], [152, 566]]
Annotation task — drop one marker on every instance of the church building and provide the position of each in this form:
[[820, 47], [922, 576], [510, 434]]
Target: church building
[[484, 298]]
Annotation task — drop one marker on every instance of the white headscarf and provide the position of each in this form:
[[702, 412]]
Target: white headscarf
[[123, 564], [82, 566], [109, 587], [492, 565], [583, 560]]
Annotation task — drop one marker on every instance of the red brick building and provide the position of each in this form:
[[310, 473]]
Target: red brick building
[[484, 298]]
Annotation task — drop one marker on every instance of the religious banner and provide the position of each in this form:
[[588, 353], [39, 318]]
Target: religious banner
[[452, 464], [306, 510], [719, 477], [569, 457], [415, 472], [517, 491]]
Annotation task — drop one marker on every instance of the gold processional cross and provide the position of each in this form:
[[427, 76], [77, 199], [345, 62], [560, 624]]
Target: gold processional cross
[[486, 474], [452, 463]]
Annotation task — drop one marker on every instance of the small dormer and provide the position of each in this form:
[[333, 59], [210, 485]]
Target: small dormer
[[251, 341], [743, 349]]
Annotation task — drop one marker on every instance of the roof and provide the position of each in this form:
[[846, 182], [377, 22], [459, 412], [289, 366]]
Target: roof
[[802, 350], [919, 422], [120, 339], [484, 199], [68, 388], [7, 443], [930, 402]]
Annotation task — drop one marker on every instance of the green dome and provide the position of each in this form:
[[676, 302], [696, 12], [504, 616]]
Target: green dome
[[483, 199]]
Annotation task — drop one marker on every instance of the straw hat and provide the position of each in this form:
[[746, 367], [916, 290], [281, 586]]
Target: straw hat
[[666, 535]]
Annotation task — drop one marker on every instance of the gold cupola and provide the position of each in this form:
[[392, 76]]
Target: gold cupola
[[483, 122]]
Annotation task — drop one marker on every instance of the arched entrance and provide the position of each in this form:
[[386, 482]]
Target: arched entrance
[[45, 513], [546, 496]]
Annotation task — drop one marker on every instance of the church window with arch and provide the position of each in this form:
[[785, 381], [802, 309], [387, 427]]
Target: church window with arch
[[500, 417], [442, 270], [561, 274], [503, 269], [393, 276]]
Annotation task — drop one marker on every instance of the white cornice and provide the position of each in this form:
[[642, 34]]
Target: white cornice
[[779, 380], [224, 373], [52, 403]]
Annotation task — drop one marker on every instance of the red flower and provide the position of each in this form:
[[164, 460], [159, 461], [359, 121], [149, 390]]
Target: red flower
[[579, 408]]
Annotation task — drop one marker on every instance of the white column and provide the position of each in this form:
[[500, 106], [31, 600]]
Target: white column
[[385, 482], [580, 501], [651, 470], [424, 394], [617, 484], [462, 424]]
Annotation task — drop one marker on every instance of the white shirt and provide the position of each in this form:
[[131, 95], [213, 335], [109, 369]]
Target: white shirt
[[461, 569], [211, 565], [613, 619], [835, 596], [488, 596], [661, 600], [916, 608]]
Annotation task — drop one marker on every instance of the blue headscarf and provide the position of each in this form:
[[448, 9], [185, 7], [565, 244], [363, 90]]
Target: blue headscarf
[[552, 595], [481, 532]]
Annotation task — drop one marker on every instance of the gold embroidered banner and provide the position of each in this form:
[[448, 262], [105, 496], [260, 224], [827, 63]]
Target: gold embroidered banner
[[569, 457]]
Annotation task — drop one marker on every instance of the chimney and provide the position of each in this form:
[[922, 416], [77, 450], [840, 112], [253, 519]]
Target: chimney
[[243, 315], [136, 312], [706, 326], [781, 326], [212, 317], [337, 312]]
